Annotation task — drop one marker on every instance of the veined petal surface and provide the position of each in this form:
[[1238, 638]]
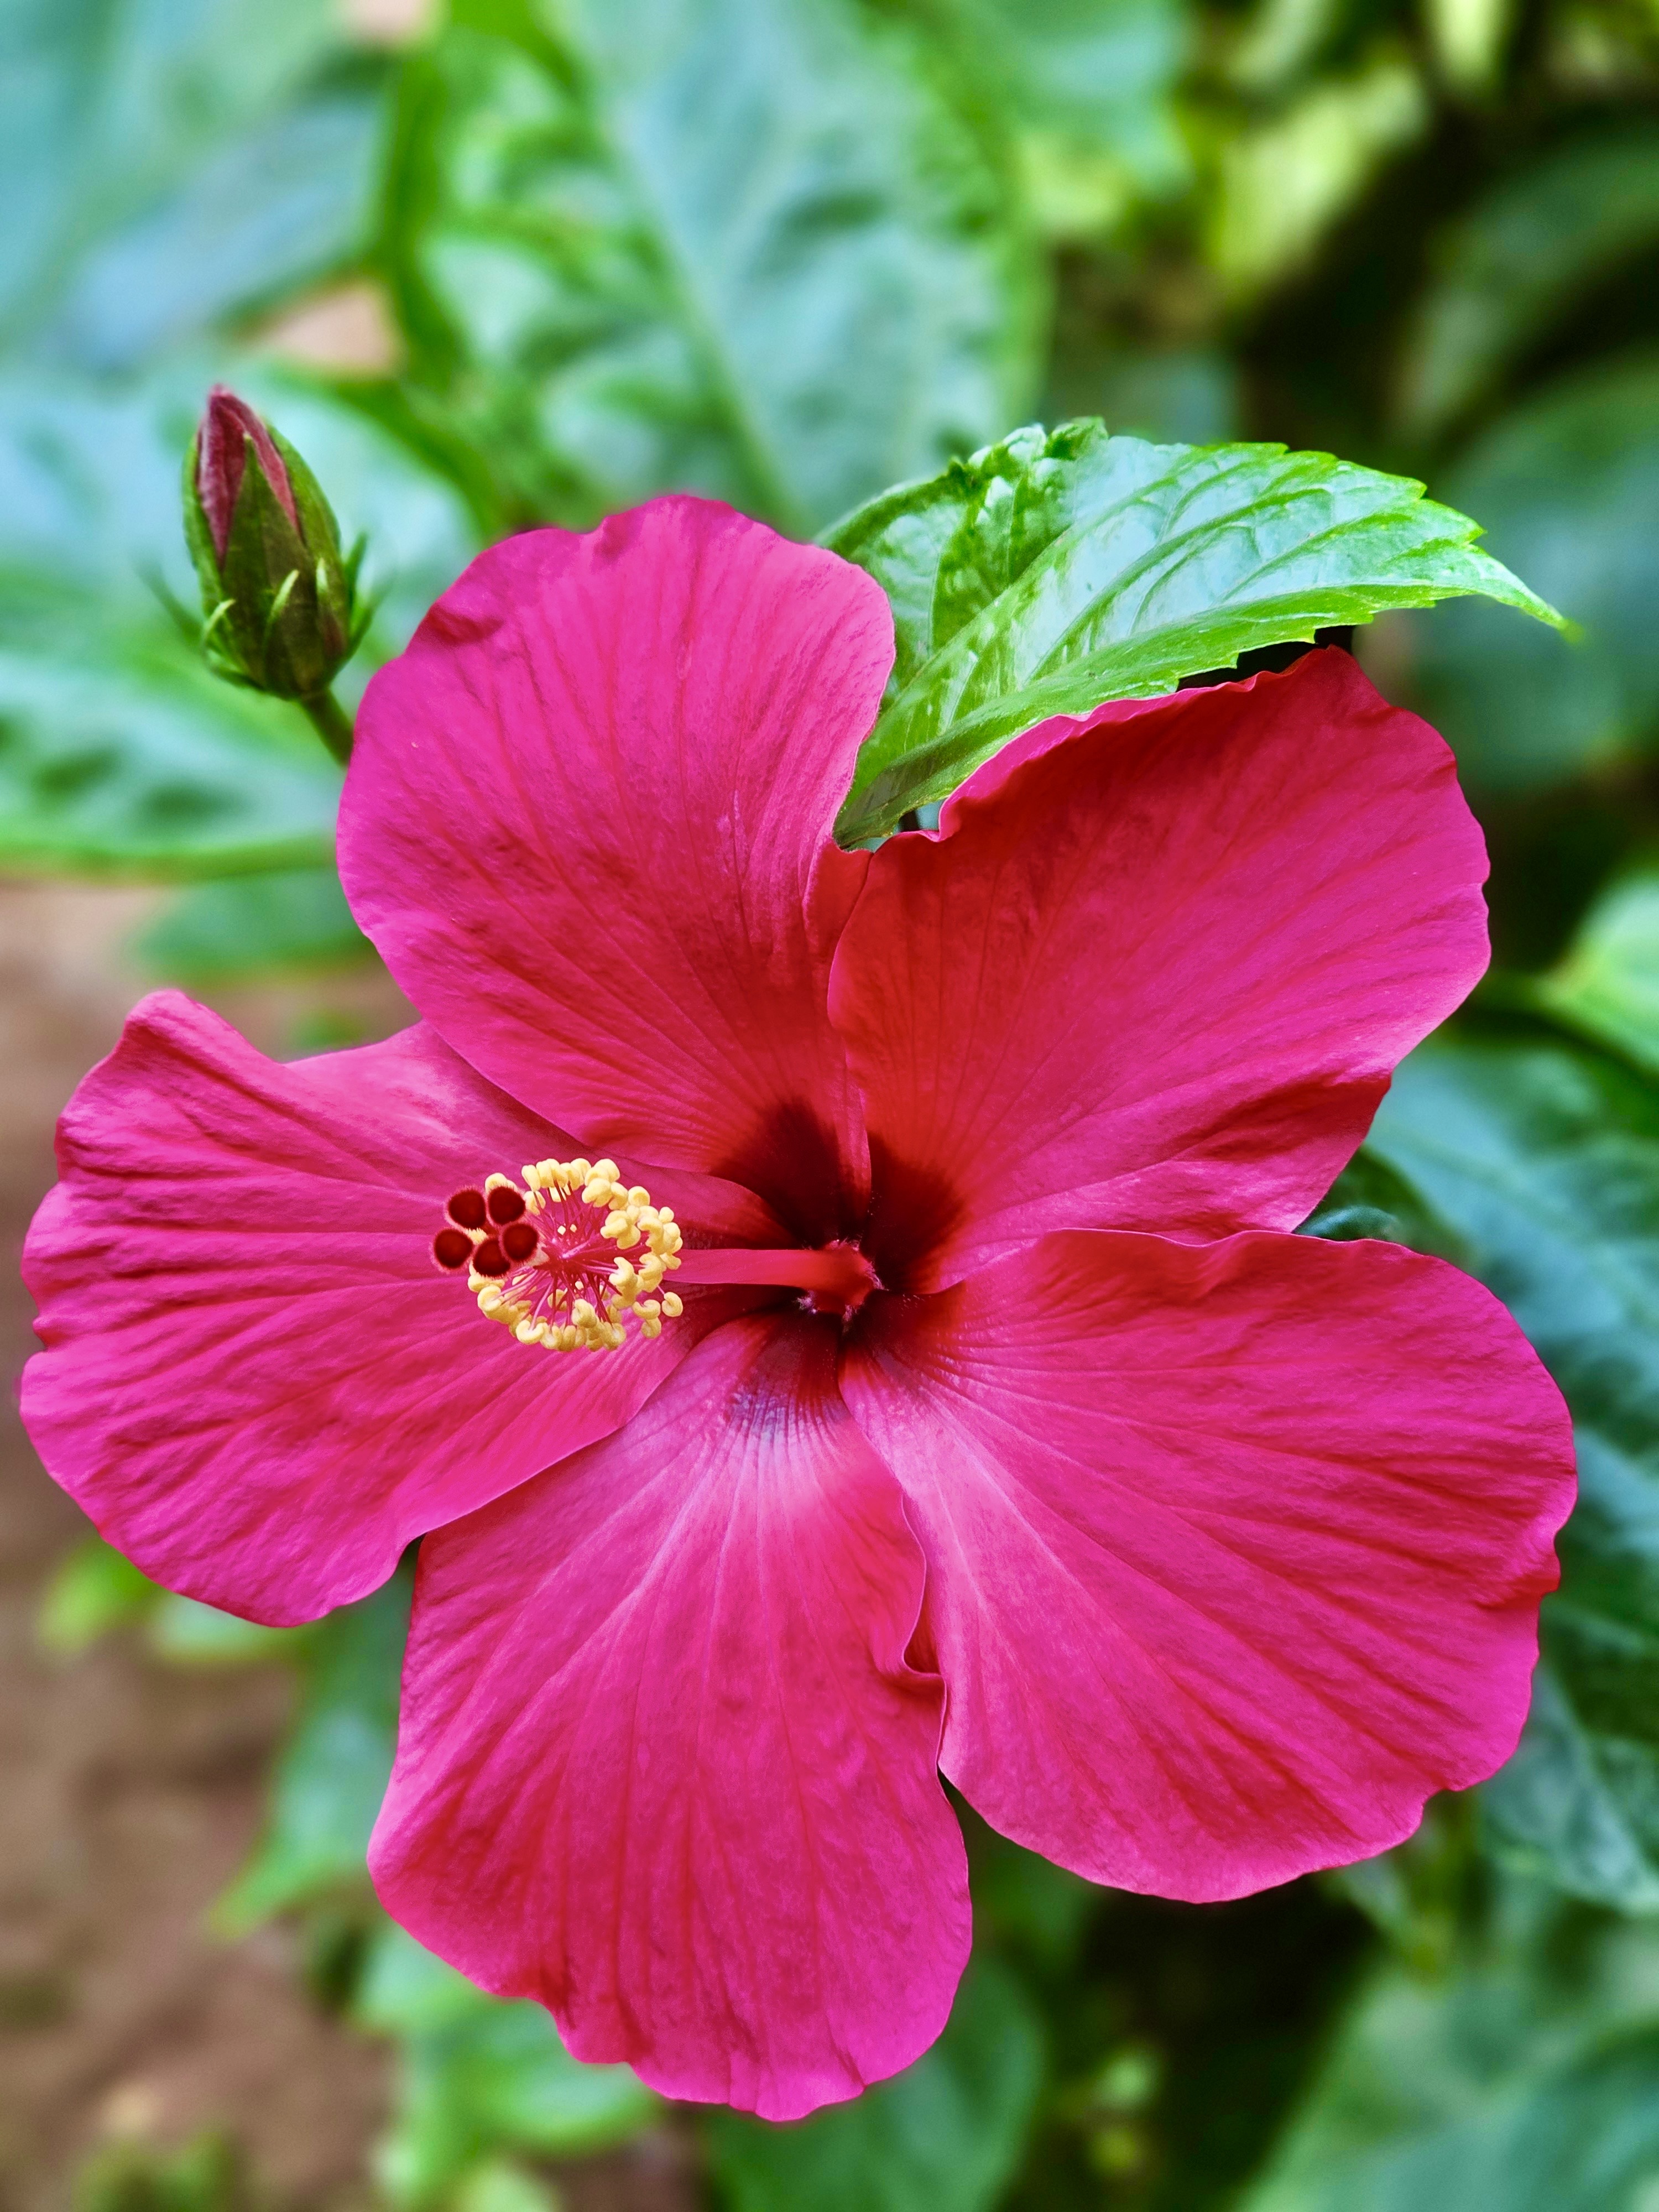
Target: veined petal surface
[[1156, 977], [255, 1379], [663, 1764], [587, 823], [1234, 1552]]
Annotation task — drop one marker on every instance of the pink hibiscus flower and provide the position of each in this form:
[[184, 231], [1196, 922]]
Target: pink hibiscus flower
[[923, 1379]]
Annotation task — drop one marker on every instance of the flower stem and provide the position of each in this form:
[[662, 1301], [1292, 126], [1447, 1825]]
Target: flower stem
[[330, 721], [836, 1270]]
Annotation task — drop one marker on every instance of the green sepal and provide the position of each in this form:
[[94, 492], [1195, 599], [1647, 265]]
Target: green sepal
[[280, 609]]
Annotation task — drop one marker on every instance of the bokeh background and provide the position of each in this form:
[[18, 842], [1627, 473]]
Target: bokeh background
[[523, 260]]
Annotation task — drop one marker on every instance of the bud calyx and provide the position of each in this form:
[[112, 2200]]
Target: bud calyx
[[279, 599]]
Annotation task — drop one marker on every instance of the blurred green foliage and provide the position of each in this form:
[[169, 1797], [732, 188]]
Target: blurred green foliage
[[204, 2175], [552, 256]]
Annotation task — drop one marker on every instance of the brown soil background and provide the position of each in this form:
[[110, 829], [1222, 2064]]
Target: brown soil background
[[129, 1791]]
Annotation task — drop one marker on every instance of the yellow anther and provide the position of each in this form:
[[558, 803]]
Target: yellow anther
[[567, 1295], [673, 1305]]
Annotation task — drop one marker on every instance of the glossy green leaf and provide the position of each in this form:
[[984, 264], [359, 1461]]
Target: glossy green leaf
[[1524, 2079], [1608, 983], [1059, 569], [1543, 1157], [720, 244], [251, 924], [332, 1775], [945, 2135], [479, 2077], [1568, 486], [1518, 262]]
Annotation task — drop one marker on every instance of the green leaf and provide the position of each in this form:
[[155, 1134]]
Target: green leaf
[[945, 2135], [1059, 569], [1525, 2080], [251, 924], [1371, 1199], [1568, 486], [333, 1774], [95, 1590], [1080, 78], [1517, 262], [268, 213], [1608, 983], [1543, 1157], [479, 2077], [135, 760], [173, 164], [719, 244]]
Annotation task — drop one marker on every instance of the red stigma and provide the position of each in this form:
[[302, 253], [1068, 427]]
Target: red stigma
[[518, 1241], [503, 1203], [488, 1259], [467, 1209], [451, 1248]]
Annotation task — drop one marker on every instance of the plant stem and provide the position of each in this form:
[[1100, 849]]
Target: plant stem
[[330, 721]]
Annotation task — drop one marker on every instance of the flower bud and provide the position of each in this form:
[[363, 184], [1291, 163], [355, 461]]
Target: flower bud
[[278, 598]]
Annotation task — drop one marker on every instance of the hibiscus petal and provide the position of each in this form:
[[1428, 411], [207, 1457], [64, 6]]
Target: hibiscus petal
[[256, 1382], [1156, 977], [588, 825], [662, 1763], [1234, 1552]]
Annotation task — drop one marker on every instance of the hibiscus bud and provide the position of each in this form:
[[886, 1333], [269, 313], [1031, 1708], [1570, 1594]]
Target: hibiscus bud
[[278, 598]]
